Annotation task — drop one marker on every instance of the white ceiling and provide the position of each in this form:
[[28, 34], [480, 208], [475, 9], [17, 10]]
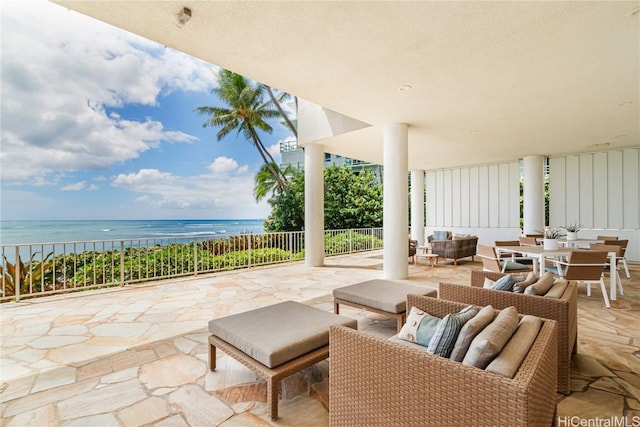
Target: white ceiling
[[490, 81]]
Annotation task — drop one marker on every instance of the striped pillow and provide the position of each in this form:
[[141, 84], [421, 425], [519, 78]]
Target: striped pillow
[[446, 334]]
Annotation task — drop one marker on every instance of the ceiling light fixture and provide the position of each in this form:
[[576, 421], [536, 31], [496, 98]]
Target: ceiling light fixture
[[404, 88], [184, 15], [475, 132]]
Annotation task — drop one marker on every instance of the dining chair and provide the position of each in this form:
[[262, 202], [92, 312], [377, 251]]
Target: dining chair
[[517, 257], [586, 267], [621, 257], [607, 238], [528, 241], [611, 248], [491, 262]]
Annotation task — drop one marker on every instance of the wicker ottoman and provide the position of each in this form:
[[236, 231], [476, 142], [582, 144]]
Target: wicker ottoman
[[275, 341], [379, 296]]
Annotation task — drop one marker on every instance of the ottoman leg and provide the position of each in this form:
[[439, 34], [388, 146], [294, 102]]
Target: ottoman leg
[[273, 388], [212, 357]]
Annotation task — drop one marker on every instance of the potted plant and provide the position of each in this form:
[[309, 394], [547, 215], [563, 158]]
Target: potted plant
[[551, 236], [572, 231]]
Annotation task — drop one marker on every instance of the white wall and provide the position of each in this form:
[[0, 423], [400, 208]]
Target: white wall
[[480, 200], [599, 190]]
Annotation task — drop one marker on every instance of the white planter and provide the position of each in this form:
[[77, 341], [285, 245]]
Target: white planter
[[550, 245], [572, 235]]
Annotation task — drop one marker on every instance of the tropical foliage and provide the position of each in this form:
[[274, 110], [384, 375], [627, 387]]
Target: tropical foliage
[[350, 201]]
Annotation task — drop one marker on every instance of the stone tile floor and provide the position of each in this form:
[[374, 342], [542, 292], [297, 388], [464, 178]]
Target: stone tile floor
[[137, 356]]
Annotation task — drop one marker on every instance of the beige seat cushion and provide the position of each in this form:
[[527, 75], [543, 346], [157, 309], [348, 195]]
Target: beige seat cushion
[[278, 333], [381, 294], [514, 352], [469, 331], [488, 343]]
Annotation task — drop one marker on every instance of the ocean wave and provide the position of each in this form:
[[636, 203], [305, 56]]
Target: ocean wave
[[105, 229], [187, 234]]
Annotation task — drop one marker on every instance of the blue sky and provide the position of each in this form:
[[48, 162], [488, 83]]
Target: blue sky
[[98, 123]]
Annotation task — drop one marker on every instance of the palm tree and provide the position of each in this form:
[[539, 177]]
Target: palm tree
[[266, 183], [247, 113], [277, 102]]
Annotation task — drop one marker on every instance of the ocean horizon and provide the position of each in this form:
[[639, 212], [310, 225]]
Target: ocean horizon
[[54, 231]]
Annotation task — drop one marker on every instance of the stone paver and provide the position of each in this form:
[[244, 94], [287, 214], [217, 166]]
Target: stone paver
[[138, 355]]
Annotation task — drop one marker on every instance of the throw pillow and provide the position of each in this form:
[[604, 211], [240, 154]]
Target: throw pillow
[[521, 286], [469, 331], [505, 283], [488, 343], [542, 286], [557, 290], [512, 355], [440, 235], [448, 329], [419, 327], [488, 283]]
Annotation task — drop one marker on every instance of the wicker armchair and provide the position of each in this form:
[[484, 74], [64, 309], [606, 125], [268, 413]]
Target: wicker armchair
[[563, 310], [456, 248], [377, 382]]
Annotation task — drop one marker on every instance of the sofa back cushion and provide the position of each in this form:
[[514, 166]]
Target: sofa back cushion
[[469, 331], [510, 358], [441, 235], [488, 343]]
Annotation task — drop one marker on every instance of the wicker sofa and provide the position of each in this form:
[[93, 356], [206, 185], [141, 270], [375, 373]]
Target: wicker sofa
[[455, 248], [378, 382], [564, 310]]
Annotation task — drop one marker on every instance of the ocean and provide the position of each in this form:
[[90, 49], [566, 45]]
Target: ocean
[[24, 232]]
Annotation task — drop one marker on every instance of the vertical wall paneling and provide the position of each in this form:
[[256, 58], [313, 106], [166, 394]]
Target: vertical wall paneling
[[455, 205], [494, 197], [585, 213], [440, 198], [599, 191], [514, 195], [465, 194], [503, 195], [631, 187], [448, 197], [557, 190], [431, 199], [615, 189], [474, 197], [572, 185], [483, 196]]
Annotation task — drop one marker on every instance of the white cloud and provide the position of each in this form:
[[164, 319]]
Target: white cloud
[[226, 195], [62, 72], [79, 186], [225, 165]]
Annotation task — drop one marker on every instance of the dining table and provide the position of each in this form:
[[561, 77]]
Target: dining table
[[539, 254]]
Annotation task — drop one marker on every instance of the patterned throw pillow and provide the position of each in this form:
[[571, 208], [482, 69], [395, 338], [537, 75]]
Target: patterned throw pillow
[[419, 327], [449, 327], [505, 283]]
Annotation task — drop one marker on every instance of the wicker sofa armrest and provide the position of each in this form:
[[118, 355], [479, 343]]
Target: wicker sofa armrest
[[376, 382], [564, 310]]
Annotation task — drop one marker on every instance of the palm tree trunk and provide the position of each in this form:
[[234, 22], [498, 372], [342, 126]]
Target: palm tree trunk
[[264, 153], [281, 111]]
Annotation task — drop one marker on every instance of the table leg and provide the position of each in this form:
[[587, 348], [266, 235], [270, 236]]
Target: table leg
[[613, 277]]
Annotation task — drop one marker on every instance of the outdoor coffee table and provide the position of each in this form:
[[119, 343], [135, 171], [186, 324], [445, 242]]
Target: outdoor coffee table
[[379, 296], [275, 341], [430, 257]]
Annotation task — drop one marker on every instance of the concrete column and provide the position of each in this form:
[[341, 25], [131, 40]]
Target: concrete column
[[314, 205], [395, 206], [417, 206], [533, 195]]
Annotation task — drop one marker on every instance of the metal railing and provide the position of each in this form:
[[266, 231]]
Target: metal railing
[[33, 270]]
